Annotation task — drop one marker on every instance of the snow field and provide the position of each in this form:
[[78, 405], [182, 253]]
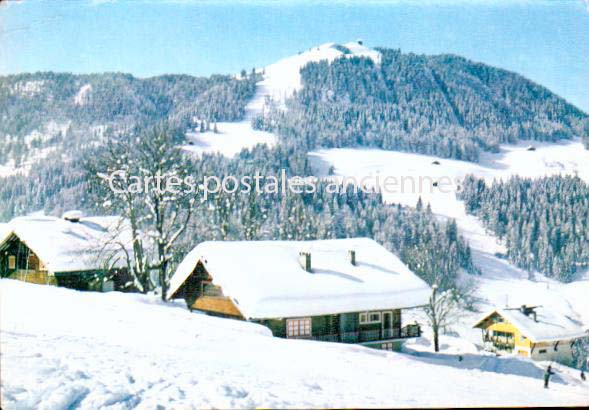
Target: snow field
[[63, 349]]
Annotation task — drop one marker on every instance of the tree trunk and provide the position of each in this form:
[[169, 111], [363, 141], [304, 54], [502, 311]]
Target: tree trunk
[[162, 268], [164, 282], [436, 341]]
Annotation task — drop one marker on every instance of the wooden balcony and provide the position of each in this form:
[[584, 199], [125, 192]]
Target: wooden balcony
[[219, 305], [406, 332]]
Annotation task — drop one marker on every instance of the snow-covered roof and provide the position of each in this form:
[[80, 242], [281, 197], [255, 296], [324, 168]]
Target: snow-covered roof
[[546, 327], [265, 279], [65, 246]]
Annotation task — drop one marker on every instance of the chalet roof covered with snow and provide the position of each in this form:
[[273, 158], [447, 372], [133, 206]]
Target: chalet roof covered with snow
[[88, 243], [266, 280], [547, 326]]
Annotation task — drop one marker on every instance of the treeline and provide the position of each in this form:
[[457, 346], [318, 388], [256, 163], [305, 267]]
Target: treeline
[[51, 186], [544, 222], [441, 105]]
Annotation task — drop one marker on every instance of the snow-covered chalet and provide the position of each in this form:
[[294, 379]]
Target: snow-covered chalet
[[530, 331], [86, 253], [340, 290]]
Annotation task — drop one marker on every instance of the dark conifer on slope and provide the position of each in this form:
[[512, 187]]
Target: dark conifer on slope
[[89, 105], [443, 105], [544, 222]]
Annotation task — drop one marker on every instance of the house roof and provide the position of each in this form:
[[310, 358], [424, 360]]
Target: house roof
[[265, 280], [65, 246], [548, 326]]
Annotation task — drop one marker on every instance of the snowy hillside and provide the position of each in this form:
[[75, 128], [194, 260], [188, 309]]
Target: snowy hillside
[[500, 283], [230, 139], [283, 78], [34, 146], [280, 81], [64, 349]]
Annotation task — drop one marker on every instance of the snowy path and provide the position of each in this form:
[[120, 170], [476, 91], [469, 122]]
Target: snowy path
[[232, 137], [64, 349]]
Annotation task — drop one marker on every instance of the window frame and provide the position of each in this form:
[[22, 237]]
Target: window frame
[[11, 262], [365, 317], [299, 327]]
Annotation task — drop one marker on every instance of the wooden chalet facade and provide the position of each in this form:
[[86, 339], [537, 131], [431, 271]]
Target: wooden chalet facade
[[377, 324], [62, 252]]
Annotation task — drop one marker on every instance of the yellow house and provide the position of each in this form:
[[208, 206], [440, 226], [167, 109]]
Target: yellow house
[[530, 331]]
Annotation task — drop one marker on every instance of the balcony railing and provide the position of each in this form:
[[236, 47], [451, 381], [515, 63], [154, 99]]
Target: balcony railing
[[370, 335]]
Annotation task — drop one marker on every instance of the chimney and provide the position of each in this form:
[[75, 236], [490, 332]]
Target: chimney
[[352, 257], [305, 260]]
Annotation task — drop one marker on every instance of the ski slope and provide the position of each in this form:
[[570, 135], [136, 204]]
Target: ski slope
[[416, 174], [567, 157], [230, 139], [283, 78], [279, 81], [63, 349]]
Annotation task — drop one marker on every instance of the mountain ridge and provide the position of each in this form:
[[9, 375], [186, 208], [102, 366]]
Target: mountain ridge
[[439, 105]]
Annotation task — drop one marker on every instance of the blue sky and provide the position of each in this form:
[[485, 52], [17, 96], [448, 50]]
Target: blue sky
[[547, 41]]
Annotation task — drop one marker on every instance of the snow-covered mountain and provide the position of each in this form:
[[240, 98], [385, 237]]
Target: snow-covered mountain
[[64, 349], [279, 81], [283, 78]]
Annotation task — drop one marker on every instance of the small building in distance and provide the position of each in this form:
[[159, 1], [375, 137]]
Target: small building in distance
[[530, 331], [85, 253], [341, 290]]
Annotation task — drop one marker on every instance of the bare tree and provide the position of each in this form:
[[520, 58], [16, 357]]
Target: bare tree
[[442, 309], [146, 179], [115, 195]]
